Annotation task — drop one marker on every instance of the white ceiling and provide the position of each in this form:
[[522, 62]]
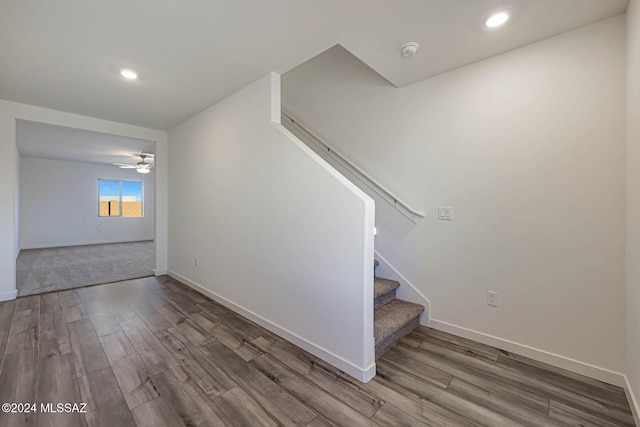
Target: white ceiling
[[65, 54], [62, 143]]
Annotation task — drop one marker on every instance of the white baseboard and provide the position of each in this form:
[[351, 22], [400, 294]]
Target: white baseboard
[[633, 402], [406, 291], [9, 295], [592, 371], [160, 272], [361, 374], [101, 242]]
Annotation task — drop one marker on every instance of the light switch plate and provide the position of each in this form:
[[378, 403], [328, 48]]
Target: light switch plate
[[445, 213], [492, 298]]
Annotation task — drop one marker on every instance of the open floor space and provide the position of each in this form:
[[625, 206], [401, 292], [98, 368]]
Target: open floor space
[[153, 352]]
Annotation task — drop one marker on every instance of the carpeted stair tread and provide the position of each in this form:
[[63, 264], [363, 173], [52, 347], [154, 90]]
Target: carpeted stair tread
[[392, 317], [384, 291], [376, 263], [382, 286]]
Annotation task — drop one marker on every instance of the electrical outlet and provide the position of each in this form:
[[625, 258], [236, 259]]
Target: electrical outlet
[[492, 298], [445, 213], [196, 261]]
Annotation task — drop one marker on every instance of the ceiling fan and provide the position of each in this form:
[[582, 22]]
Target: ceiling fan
[[143, 166]]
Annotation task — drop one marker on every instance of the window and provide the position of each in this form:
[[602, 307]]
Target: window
[[120, 198]]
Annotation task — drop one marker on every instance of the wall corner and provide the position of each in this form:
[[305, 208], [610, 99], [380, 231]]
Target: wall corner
[[275, 108]]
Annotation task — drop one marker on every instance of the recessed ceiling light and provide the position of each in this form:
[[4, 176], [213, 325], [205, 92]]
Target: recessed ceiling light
[[128, 74], [497, 19]]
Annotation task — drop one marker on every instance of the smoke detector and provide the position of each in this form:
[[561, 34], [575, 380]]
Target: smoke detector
[[409, 48]]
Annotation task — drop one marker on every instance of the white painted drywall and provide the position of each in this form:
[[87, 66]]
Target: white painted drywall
[[279, 234], [9, 113], [16, 206], [59, 205], [8, 177], [633, 201], [528, 148]]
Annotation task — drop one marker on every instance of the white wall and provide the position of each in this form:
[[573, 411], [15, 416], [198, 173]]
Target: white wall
[[9, 113], [633, 201], [280, 236], [528, 148], [16, 228], [59, 205]]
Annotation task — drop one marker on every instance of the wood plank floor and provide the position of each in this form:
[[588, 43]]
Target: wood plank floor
[[152, 352]]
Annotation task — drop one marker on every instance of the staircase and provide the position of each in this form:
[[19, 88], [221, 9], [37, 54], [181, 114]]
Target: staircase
[[392, 318]]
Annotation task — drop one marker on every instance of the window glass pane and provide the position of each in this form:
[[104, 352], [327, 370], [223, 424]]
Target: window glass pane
[[109, 196], [131, 198]]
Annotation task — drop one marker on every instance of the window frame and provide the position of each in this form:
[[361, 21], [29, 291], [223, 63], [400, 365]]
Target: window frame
[[120, 181]]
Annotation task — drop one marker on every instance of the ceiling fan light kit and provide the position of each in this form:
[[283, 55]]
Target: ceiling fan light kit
[[141, 167]]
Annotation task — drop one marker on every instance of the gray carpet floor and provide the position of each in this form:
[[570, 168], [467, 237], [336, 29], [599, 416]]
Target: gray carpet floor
[[55, 269]]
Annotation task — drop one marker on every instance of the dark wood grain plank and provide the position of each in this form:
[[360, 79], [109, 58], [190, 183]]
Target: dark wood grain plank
[[235, 342], [69, 298], [206, 320], [500, 406], [421, 364], [24, 328], [172, 314], [570, 382], [455, 404], [156, 413], [427, 373], [50, 303], [200, 367], [241, 410], [320, 421], [192, 405], [7, 310], [595, 384], [275, 400], [116, 346], [578, 418], [294, 359], [115, 297], [73, 313], [309, 394], [391, 416], [424, 410], [19, 383], [58, 384], [104, 324], [528, 382], [345, 390], [105, 403], [155, 356], [54, 338], [193, 332], [476, 347], [87, 351], [245, 327], [135, 382], [480, 352]]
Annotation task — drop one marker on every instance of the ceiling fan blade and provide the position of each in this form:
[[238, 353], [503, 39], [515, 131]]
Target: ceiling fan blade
[[150, 155], [124, 165]]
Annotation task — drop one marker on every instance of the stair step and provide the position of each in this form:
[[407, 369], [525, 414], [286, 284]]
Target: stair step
[[393, 321], [384, 291], [376, 263]]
